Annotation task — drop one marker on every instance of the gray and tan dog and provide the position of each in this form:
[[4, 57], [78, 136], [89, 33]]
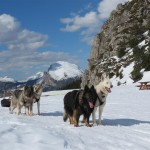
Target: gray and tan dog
[[38, 88], [21, 98]]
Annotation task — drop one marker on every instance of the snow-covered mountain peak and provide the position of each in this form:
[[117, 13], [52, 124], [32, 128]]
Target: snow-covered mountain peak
[[6, 79], [36, 76], [64, 70]]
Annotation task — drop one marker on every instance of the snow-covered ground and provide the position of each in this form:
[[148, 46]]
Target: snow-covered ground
[[126, 125]]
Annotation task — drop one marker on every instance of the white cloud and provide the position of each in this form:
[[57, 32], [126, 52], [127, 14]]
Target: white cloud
[[73, 24], [90, 23], [7, 23], [14, 60], [105, 7], [66, 20], [22, 46]]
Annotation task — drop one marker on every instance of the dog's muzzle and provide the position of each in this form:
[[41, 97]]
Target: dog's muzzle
[[108, 89]]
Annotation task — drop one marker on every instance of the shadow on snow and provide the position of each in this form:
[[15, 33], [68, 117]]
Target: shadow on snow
[[56, 113], [123, 122]]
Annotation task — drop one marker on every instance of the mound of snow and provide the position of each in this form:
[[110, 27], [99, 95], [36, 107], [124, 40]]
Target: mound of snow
[[146, 76], [64, 70]]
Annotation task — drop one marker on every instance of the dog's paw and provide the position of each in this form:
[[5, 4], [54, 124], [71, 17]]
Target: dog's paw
[[94, 124], [89, 125], [100, 124], [75, 125], [31, 113], [18, 114]]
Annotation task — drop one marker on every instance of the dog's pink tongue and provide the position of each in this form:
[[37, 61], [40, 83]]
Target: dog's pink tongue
[[109, 90], [91, 105]]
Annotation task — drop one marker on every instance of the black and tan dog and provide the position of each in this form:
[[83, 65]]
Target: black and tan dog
[[21, 98], [78, 102]]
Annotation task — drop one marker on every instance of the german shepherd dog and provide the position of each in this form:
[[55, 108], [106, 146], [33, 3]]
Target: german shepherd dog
[[38, 88], [102, 89], [78, 102], [21, 98]]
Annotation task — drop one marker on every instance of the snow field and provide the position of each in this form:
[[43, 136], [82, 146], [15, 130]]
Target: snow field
[[126, 125]]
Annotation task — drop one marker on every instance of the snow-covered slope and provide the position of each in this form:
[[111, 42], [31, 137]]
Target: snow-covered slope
[[126, 76], [63, 70], [60, 70], [126, 125], [146, 76], [36, 76], [127, 69]]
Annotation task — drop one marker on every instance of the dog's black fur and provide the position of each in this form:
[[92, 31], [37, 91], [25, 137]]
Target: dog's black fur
[[77, 102]]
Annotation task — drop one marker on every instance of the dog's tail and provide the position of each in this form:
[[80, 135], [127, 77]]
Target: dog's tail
[[65, 117]]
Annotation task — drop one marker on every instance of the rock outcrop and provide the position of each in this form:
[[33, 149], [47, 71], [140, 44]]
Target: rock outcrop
[[122, 32]]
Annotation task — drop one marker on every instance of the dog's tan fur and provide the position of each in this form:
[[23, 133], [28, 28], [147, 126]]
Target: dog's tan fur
[[38, 88], [21, 98]]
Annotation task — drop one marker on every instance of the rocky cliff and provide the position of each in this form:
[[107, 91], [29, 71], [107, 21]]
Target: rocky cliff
[[118, 44]]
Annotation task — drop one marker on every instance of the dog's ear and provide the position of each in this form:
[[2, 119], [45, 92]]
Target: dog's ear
[[104, 76], [86, 88], [92, 87], [107, 76]]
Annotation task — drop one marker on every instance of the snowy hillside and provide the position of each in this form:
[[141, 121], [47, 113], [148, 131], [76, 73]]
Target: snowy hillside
[[63, 70], [126, 125], [146, 76], [36, 76], [126, 71]]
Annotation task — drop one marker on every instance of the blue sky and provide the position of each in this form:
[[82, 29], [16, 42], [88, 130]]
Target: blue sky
[[36, 33]]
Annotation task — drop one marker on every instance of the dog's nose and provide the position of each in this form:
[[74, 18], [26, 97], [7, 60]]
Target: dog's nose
[[111, 86]]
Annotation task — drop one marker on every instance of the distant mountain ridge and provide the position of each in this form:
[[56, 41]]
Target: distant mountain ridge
[[60, 74]]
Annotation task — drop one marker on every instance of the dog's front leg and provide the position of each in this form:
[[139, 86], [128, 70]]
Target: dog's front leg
[[94, 116], [31, 109], [100, 114], [27, 110], [38, 107], [12, 106], [76, 117], [87, 121], [71, 119], [18, 108]]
